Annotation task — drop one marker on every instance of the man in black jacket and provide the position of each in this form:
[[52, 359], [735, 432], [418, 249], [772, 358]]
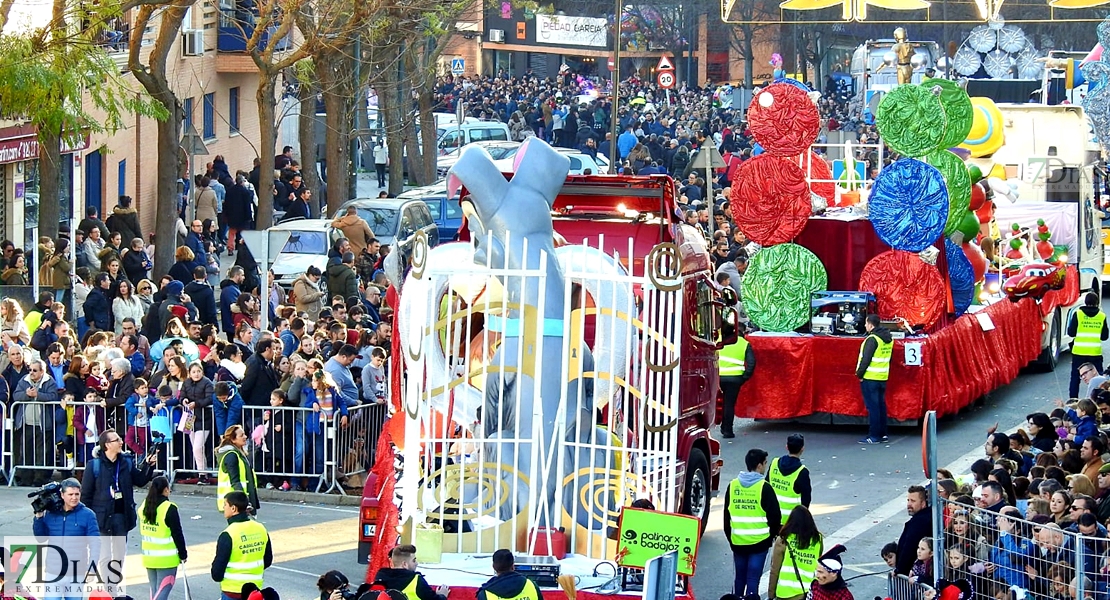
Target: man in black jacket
[[98, 308], [200, 292], [260, 378], [507, 583], [919, 526], [401, 575]]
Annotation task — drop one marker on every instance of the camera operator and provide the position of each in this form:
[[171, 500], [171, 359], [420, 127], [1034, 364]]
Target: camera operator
[[334, 585], [70, 519], [109, 484]]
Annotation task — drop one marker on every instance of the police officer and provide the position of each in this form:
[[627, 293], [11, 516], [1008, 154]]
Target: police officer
[[790, 478], [163, 539], [401, 575], [752, 520], [735, 363], [1088, 327], [507, 584], [243, 549], [873, 371]]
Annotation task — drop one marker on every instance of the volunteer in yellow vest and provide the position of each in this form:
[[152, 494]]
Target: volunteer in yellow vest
[[794, 558], [1088, 327], [163, 540], [735, 363], [789, 477], [873, 370], [243, 550], [507, 584], [752, 521], [234, 472], [401, 575]]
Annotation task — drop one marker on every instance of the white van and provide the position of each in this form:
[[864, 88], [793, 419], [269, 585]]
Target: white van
[[473, 131]]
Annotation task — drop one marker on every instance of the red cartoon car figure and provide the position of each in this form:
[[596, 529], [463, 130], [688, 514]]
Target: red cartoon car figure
[[1034, 280]]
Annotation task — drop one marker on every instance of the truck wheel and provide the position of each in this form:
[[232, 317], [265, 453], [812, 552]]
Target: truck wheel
[[696, 496], [1050, 355]]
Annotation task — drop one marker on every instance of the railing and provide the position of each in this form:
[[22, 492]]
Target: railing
[[5, 451], [996, 552], [900, 587], [287, 445]]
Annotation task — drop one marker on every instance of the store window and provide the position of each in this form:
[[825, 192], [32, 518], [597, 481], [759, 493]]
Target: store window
[[30, 202]]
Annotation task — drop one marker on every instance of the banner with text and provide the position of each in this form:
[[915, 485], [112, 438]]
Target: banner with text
[[561, 30]]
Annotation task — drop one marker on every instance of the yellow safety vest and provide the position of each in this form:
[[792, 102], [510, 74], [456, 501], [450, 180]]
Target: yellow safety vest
[[223, 480], [747, 515], [805, 565], [879, 368], [529, 592], [730, 359], [1088, 334], [159, 551], [784, 488], [248, 554]]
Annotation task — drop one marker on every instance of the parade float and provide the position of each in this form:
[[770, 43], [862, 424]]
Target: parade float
[[911, 251], [559, 363]]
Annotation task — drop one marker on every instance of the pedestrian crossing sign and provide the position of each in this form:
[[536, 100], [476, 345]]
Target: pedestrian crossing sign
[[457, 65]]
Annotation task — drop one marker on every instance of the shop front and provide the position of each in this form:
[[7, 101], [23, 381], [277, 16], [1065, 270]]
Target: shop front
[[20, 183]]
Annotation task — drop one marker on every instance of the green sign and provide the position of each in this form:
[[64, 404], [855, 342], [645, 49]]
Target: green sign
[[645, 534]]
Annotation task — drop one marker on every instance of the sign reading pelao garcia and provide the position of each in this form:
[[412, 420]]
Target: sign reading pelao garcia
[[645, 534]]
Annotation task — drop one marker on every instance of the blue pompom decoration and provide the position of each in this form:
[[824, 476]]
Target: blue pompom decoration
[[908, 205], [794, 82], [961, 278]]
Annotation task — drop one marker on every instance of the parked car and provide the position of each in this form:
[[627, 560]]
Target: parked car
[[579, 162], [395, 221], [445, 211], [307, 245], [498, 150], [454, 136]]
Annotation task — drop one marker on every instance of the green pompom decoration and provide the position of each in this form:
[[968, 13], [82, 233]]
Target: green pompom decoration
[[958, 181], [778, 285], [1015, 243], [957, 110], [911, 120], [976, 173], [968, 225]]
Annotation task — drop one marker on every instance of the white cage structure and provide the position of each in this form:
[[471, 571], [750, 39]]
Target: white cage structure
[[544, 395]]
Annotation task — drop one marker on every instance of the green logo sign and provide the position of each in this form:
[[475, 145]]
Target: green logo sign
[[645, 534]]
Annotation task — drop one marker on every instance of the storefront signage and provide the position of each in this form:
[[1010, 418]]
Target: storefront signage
[[645, 534], [19, 149], [572, 31]]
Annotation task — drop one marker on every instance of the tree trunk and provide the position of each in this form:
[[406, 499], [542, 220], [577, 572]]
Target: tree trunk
[[412, 146], [267, 134], [50, 179], [335, 73], [390, 108], [428, 133], [749, 52], [306, 131]]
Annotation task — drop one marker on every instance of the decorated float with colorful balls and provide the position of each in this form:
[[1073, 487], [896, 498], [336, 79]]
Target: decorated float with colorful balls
[[920, 248]]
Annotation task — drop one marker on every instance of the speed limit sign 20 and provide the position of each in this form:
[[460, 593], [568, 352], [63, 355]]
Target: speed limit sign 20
[[665, 79]]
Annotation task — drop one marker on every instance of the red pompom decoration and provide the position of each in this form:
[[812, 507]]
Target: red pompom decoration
[[770, 200], [819, 175], [905, 286], [783, 120]]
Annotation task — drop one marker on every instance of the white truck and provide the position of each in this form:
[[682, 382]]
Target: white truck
[[1048, 154]]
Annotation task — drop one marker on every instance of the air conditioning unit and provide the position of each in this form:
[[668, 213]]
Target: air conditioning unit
[[497, 35], [192, 42]]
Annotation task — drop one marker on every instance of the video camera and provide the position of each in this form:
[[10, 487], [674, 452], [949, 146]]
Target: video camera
[[48, 498]]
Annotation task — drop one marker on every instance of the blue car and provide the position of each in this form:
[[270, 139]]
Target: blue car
[[445, 211]]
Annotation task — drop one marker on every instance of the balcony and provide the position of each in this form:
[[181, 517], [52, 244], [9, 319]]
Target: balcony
[[233, 36]]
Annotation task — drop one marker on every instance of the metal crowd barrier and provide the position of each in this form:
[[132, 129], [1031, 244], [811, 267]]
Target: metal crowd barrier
[[996, 553], [900, 587], [281, 447]]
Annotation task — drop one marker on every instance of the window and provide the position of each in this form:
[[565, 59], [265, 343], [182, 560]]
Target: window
[[233, 110], [706, 318], [209, 116], [187, 108], [121, 184]]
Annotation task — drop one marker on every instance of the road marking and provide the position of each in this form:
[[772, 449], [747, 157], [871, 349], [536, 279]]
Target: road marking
[[298, 572]]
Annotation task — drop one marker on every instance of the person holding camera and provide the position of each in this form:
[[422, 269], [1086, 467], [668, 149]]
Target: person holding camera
[[65, 517], [334, 585], [163, 539], [402, 575], [109, 484]]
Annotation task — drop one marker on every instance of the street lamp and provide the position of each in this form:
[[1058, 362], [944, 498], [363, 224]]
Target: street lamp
[[615, 98]]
